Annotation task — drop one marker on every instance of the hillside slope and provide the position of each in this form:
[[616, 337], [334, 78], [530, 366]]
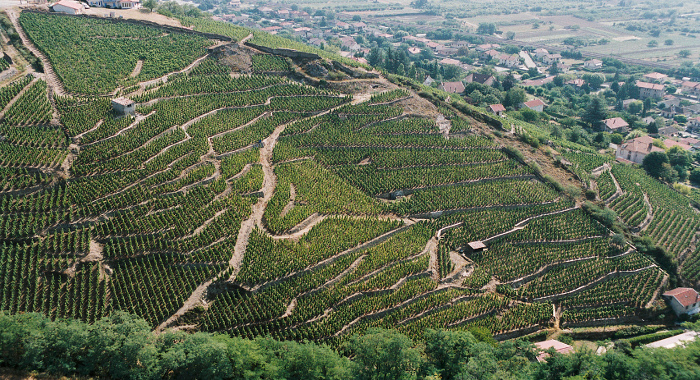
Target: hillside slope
[[294, 196]]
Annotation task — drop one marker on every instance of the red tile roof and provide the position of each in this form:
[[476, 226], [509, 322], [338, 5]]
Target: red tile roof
[[651, 86], [534, 103], [497, 107], [684, 296], [558, 346], [69, 4], [642, 144], [616, 123]]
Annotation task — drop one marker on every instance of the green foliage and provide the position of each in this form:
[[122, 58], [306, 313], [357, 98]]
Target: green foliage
[[107, 51]]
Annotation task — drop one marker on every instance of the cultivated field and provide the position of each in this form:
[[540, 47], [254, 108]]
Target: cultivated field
[[243, 201]]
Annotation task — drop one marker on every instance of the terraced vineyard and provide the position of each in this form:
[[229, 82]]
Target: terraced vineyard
[[257, 205]]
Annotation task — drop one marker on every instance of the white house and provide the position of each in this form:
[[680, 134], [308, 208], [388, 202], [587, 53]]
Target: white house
[[636, 149], [69, 7], [683, 300], [540, 53], [550, 59], [511, 60], [535, 105], [593, 64]]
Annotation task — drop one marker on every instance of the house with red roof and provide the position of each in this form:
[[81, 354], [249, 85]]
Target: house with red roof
[[559, 347], [535, 105], [497, 109], [453, 87], [650, 90], [616, 124], [683, 300], [67, 6], [636, 149]]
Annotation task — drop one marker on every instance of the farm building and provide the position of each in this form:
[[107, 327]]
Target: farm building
[[69, 7], [551, 59], [559, 347], [497, 109], [476, 246], [124, 106], [683, 301]]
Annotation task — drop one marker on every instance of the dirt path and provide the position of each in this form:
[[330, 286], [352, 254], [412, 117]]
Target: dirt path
[[138, 118], [137, 69], [650, 214], [52, 79], [268, 189], [618, 190]]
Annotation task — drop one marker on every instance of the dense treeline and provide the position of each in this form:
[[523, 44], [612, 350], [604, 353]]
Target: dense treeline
[[123, 347]]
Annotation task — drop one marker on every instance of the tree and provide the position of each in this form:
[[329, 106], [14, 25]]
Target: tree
[[533, 71], [514, 97], [508, 82], [677, 156], [384, 354], [554, 70], [356, 18], [635, 107], [529, 115], [656, 164], [595, 112], [486, 28], [668, 42], [448, 351], [150, 4], [652, 128], [695, 176], [652, 44], [510, 35], [685, 53], [594, 80]]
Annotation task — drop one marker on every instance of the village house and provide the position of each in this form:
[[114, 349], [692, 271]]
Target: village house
[[655, 77], [446, 51], [683, 301], [414, 50], [535, 105], [578, 83], [559, 347], [452, 87], [538, 82], [669, 131], [487, 47], [550, 59], [672, 111], [497, 109], [509, 60], [650, 90], [489, 55], [671, 143], [694, 123], [616, 124], [459, 44], [69, 7], [593, 64], [450, 61], [691, 88], [540, 53], [636, 149], [563, 67], [484, 79]]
